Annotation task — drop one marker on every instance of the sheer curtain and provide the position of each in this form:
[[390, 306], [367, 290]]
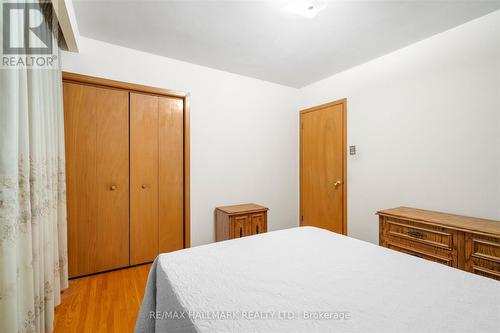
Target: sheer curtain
[[33, 257]]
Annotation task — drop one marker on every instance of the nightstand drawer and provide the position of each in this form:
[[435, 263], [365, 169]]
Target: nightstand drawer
[[258, 223], [239, 226]]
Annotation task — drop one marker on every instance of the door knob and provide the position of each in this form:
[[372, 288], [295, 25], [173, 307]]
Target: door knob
[[337, 183], [113, 187], [144, 186]]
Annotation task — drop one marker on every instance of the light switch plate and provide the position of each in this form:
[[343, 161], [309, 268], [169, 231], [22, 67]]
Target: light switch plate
[[352, 150]]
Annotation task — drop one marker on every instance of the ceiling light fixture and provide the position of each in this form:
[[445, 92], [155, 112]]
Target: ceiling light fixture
[[306, 8]]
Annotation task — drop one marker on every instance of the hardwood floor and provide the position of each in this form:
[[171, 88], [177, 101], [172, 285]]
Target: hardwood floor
[[106, 302]]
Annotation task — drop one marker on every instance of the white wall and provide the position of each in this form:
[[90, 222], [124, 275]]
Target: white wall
[[243, 131], [426, 122]]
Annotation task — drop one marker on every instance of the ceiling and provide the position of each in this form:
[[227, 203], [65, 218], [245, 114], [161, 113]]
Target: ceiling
[[261, 40]]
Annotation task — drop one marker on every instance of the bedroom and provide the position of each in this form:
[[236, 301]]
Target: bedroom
[[320, 117]]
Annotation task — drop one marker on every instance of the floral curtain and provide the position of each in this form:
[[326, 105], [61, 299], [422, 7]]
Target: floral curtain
[[33, 255]]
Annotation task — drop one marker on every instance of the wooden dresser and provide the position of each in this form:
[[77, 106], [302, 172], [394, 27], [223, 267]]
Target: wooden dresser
[[239, 221], [467, 243]]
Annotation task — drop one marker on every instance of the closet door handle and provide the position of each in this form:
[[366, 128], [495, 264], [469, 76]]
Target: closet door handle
[[144, 186], [337, 183], [113, 188]]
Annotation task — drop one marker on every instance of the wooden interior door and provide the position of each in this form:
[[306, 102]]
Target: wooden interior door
[[171, 175], [96, 134], [143, 178], [323, 167]]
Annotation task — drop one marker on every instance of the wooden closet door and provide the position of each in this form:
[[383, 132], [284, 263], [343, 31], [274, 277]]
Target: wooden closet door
[[113, 180], [143, 178], [171, 175], [96, 134]]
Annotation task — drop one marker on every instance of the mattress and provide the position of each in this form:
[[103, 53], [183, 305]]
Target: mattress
[[311, 280]]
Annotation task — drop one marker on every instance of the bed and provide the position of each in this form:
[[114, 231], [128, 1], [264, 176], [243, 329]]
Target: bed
[[311, 280]]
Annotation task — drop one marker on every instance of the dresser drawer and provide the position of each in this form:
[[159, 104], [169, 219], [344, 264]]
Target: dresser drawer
[[419, 233], [421, 240], [482, 255], [442, 258]]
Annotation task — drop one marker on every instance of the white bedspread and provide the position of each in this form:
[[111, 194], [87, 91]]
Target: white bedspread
[[275, 282]]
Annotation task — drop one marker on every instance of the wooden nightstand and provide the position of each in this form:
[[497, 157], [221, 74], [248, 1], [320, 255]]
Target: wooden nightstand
[[239, 221]]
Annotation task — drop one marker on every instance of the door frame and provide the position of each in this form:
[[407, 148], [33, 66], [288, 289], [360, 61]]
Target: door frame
[[132, 87], [342, 102]]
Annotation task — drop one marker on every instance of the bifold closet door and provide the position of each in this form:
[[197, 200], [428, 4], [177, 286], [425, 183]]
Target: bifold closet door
[[143, 178], [171, 175], [156, 176], [97, 170]]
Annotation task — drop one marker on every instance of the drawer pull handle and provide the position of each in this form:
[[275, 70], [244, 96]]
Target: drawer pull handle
[[241, 232], [415, 233]]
